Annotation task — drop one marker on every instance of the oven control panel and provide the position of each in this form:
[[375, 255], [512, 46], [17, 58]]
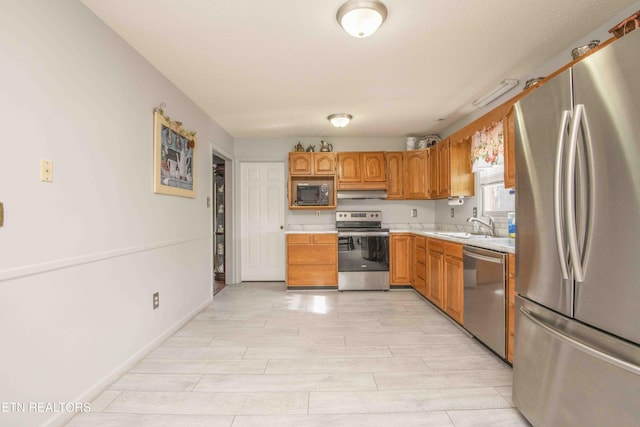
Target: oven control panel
[[375, 216]]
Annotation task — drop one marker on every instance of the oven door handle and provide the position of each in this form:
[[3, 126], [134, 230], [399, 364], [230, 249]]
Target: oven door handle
[[363, 234]]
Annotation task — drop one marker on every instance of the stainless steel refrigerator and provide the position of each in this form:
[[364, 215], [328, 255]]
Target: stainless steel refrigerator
[[577, 324]]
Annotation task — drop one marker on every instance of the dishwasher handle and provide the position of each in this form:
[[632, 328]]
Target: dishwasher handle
[[495, 260]]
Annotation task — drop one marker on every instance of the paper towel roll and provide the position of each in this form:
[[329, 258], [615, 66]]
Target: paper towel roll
[[456, 202]]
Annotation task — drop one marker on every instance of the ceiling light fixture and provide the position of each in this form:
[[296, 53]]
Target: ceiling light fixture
[[361, 18], [340, 120], [505, 86]]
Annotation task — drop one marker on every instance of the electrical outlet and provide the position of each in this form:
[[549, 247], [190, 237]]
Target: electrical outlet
[[414, 213], [156, 300], [317, 213], [208, 202], [46, 170], [475, 212], [453, 212]]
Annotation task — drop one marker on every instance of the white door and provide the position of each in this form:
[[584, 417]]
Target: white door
[[262, 189]]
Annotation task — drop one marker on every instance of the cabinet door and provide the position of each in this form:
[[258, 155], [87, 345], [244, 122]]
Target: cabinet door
[[324, 163], [433, 172], [349, 168], [509, 149], [444, 169], [373, 169], [394, 175], [400, 267], [300, 164], [453, 288], [461, 179], [415, 175], [435, 267]]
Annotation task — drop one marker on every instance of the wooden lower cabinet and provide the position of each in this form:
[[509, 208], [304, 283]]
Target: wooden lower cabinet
[[435, 272], [511, 301], [453, 281], [400, 248], [419, 265], [312, 259]]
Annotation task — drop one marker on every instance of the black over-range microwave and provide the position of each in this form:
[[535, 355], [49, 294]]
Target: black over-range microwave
[[313, 193]]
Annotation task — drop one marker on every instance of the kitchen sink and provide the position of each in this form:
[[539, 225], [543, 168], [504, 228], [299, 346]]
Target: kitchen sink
[[458, 234]]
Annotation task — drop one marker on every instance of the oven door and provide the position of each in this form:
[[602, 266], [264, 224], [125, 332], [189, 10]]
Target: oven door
[[363, 260]]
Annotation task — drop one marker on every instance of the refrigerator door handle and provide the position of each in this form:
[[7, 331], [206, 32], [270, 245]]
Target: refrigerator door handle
[[570, 187], [557, 195], [607, 358]]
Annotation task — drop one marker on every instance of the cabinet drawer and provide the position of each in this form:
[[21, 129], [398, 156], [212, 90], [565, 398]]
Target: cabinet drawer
[[453, 249], [435, 245], [311, 254], [421, 257], [312, 275], [322, 239], [421, 242], [298, 238]]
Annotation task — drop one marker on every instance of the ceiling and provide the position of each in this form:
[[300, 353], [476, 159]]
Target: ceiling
[[278, 68]]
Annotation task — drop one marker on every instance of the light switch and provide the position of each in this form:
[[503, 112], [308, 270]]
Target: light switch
[[46, 170]]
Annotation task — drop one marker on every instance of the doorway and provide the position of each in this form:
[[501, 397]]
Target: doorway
[[219, 224]]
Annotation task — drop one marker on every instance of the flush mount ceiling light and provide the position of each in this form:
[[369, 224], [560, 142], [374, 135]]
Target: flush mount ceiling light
[[505, 86], [340, 120], [361, 18]]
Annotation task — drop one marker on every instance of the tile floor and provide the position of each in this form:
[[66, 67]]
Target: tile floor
[[261, 356]]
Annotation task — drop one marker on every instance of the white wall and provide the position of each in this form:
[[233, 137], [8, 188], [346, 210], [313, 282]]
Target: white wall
[[80, 257]]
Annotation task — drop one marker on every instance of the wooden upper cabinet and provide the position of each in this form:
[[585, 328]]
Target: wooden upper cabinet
[[509, 148], [324, 163], [349, 167], [444, 169], [300, 164], [462, 180], [309, 164], [395, 176], [362, 171], [416, 178], [433, 172], [373, 167]]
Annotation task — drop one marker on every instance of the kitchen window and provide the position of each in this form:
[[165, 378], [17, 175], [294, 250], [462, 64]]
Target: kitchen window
[[497, 201]]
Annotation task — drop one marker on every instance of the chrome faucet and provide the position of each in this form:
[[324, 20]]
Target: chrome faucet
[[490, 225]]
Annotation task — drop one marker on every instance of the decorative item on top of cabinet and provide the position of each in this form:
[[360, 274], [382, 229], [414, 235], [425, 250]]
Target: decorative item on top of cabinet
[[395, 170], [361, 171], [399, 259], [312, 260], [453, 281], [325, 147]]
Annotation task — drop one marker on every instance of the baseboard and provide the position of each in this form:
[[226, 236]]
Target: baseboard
[[95, 391]]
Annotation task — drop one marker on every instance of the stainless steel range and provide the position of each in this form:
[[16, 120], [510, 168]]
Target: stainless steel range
[[363, 251]]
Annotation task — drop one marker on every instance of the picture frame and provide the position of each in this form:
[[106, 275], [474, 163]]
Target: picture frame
[[174, 158]]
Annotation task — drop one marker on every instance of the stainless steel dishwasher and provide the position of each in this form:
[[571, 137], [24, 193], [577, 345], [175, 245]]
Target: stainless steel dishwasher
[[484, 296]]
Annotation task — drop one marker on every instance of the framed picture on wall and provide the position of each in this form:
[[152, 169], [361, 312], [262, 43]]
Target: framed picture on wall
[[174, 158]]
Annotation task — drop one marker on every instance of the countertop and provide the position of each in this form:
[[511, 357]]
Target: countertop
[[501, 244]]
